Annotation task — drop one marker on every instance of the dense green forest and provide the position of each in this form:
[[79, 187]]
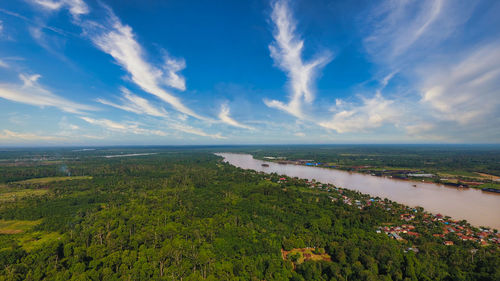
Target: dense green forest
[[184, 214]]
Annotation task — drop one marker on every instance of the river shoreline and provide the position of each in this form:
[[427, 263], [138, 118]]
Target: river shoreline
[[372, 173], [477, 207]]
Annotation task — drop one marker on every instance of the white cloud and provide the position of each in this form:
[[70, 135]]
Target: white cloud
[[372, 113], [29, 80], [300, 134], [119, 41], [194, 131], [286, 51], [454, 75], [122, 127], [76, 7], [224, 117], [171, 76], [34, 94], [3, 64], [398, 27], [135, 104], [8, 135], [467, 90], [420, 128], [65, 126]]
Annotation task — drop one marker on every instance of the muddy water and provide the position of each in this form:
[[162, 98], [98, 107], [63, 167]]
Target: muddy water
[[477, 207]]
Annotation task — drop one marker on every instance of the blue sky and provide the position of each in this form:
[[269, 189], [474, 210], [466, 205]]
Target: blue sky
[[84, 72]]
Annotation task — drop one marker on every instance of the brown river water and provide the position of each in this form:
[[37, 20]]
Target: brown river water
[[478, 207]]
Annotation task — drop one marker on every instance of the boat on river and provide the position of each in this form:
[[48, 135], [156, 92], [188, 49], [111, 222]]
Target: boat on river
[[491, 190]]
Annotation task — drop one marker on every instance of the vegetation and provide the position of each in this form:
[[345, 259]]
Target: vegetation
[[180, 215], [52, 179], [463, 160], [16, 226], [8, 194], [459, 165]]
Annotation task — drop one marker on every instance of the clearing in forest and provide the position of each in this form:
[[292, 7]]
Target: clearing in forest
[[16, 226], [53, 179], [299, 255], [11, 194], [36, 240]]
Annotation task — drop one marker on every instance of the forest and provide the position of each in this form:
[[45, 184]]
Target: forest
[[184, 214]]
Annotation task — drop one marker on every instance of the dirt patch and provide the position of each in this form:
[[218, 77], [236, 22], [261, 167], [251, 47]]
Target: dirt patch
[[492, 177], [10, 231]]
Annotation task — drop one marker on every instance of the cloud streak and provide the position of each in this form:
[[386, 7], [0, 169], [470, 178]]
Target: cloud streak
[[399, 26], [226, 118], [8, 135], [135, 104], [122, 127], [75, 7], [466, 91], [286, 51], [34, 94], [118, 40], [194, 131]]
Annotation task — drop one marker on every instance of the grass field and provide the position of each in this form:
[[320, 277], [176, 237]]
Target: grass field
[[13, 195], [52, 179], [35, 240], [16, 226], [304, 254], [459, 173], [490, 185]]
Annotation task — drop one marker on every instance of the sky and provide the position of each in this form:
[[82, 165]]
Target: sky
[[143, 72]]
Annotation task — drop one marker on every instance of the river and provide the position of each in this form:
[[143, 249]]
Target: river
[[477, 207]]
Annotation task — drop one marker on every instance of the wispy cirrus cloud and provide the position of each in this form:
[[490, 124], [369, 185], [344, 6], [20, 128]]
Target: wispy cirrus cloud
[[32, 93], [286, 51], [38, 24], [467, 90], [135, 104], [129, 127], [455, 89], [195, 131], [135, 128], [398, 25], [401, 31], [75, 7], [118, 40], [224, 116], [11, 136]]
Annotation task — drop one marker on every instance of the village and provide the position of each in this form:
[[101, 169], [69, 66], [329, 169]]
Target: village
[[410, 223]]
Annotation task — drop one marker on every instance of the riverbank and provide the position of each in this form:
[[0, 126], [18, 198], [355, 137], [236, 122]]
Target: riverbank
[[413, 222], [477, 207], [485, 182]]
